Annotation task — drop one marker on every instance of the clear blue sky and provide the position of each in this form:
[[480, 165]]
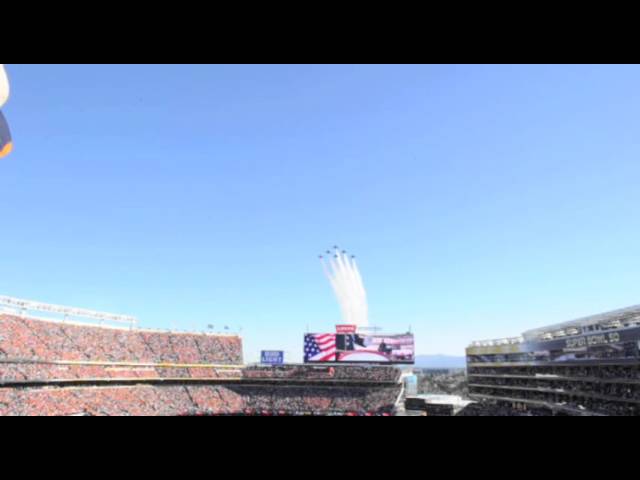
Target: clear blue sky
[[481, 200]]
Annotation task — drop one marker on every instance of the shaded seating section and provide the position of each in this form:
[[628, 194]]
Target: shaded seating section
[[150, 400], [320, 400]]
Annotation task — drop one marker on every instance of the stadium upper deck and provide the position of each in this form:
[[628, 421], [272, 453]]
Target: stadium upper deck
[[586, 366]]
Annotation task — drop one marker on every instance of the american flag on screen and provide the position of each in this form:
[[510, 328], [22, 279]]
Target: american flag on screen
[[320, 348]]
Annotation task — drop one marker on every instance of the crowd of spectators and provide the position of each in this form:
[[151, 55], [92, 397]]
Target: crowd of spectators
[[30, 339], [321, 400], [140, 400], [151, 400], [21, 372], [53, 368], [355, 373]]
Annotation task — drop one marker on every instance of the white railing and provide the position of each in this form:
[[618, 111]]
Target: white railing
[[498, 342], [22, 307]]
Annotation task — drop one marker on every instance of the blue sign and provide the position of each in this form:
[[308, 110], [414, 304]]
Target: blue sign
[[272, 357]]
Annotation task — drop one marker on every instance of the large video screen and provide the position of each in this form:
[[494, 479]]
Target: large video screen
[[355, 348]]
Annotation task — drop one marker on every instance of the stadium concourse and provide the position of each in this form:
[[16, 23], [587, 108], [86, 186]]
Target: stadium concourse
[[58, 367]]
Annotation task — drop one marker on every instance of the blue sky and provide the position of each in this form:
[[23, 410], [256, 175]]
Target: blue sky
[[481, 200]]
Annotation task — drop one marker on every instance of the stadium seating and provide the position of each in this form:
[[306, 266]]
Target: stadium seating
[[144, 400], [151, 400], [54, 368], [28, 339], [598, 389], [370, 373]]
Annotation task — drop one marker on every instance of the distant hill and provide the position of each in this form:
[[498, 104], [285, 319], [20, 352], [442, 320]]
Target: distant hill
[[440, 361]]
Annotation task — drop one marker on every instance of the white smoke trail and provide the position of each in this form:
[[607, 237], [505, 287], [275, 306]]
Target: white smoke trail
[[329, 268], [362, 293], [343, 282], [347, 284], [352, 286], [343, 275]]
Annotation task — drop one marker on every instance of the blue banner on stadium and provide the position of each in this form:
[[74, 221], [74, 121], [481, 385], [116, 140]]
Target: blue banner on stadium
[[272, 357]]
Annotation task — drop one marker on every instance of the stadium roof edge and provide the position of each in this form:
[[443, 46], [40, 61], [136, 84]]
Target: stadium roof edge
[[114, 327], [620, 314], [20, 308]]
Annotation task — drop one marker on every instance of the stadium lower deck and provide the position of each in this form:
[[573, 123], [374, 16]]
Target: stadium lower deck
[[587, 367], [55, 368]]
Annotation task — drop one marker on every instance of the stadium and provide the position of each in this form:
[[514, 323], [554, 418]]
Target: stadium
[[205, 185], [68, 366], [586, 367]]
